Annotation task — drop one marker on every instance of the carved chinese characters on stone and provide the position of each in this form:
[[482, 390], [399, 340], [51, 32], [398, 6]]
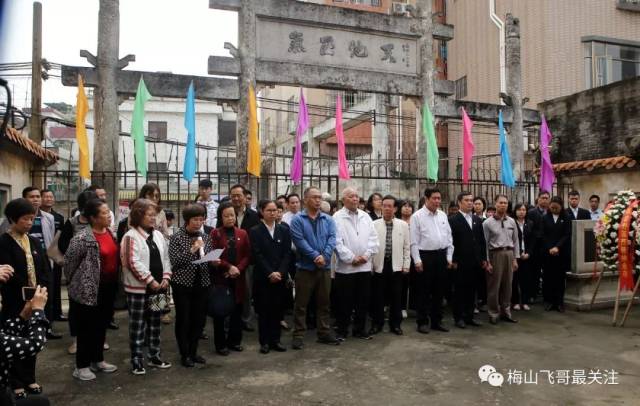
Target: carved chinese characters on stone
[[388, 50], [357, 49], [327, 45], [296, 45], [405, 54]]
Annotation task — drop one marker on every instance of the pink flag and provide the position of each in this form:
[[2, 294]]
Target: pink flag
[[467, 146], [343, 167], [303, 126], [547, 177]]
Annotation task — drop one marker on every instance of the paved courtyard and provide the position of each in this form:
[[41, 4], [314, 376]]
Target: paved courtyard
[[436, 369]]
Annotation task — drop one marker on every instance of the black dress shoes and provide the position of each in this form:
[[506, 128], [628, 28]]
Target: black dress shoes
[[187, 362], [264, 349], [278, 347], [223, 351], [199, 359], [473, 323], [423, 329], [461, 324], [237, 348], [508, 319], [397, 331], [374, 330], [440, 327], [113, 325]]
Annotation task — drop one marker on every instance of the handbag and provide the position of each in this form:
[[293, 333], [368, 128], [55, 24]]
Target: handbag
[[158, 302], [221, 301]]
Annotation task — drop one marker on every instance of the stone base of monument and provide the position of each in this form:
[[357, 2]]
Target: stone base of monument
[[581, 282], [580, 289]]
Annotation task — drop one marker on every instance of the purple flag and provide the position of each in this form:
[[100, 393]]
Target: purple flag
[[303, 126], [547, 177]]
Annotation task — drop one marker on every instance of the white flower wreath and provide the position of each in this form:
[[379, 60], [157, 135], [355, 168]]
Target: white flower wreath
[[606, 231]]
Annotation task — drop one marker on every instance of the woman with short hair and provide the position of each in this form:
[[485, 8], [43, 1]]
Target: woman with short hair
[[190, 282], [147, 272], [31, 269], [91, 267]]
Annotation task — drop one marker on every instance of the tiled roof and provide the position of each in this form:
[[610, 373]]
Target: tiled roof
[[616, 162], [30, 146]]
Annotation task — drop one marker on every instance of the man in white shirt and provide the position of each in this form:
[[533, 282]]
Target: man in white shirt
[[432, 252], [205, 187], [293, 207], [392, 261], [356, 243], [594, 205]]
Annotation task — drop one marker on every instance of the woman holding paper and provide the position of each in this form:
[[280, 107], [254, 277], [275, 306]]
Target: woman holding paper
[[190, 282]]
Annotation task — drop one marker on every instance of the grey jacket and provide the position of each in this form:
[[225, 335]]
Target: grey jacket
[[82, 267]]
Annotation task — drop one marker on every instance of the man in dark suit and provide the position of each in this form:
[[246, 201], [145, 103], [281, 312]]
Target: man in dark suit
[[535, 215], [469, 258], [574, 212]]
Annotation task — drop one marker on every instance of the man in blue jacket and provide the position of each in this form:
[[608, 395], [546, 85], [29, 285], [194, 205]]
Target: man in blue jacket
[[314, 235]]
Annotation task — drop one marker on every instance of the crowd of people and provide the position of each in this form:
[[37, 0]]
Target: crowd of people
[[343, 268]]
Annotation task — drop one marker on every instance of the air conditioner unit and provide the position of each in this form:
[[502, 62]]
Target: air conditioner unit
[[398, 8]]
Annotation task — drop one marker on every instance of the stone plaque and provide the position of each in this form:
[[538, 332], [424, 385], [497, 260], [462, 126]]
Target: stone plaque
[[583, 247], [589, 240], [280, 41]]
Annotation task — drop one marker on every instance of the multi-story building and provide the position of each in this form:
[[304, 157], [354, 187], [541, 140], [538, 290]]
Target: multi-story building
[[567, 47]]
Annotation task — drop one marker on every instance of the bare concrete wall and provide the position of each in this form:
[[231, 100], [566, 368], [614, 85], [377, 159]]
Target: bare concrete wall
[[595, 123]]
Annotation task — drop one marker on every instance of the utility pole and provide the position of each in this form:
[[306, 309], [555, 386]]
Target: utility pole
[[425, 17], [247, 55], [105, 101], [514, 91], [35, 129]]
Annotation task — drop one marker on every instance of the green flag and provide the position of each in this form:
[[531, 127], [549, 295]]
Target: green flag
[[429, 133], [137, 128]]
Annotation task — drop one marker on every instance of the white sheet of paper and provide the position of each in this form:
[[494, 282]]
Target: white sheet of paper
[[211, 256]]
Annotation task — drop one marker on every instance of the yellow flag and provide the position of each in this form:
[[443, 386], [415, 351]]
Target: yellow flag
[[81, 131], [254, 159]]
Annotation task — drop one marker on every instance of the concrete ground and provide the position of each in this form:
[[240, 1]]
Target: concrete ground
[[436, 369]]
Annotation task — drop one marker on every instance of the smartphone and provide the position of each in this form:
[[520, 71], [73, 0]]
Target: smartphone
[[27, 293]]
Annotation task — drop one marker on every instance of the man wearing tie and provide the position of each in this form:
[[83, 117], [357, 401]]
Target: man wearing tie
[[432, 251], [469, 258], [574, 212]]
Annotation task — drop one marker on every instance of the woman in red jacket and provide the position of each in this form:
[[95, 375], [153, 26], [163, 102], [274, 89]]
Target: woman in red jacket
[[230, 271]]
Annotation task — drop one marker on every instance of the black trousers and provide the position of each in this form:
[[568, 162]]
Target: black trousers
[[190, 307], [352, 298], [537, 263], [464, 291], [554, 278], [268, 299], [23, 372], [55, 297], [71, 315], [430, 284], [386, 289], [522, 288], [92, 322], [223, 338]]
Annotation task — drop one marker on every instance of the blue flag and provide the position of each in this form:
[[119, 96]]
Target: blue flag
[[190, 124], [507, 170]]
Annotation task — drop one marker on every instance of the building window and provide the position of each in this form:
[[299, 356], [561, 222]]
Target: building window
[[226, 165], [376, 3], [461, 88], [158, 130], [226, 133], [158, 167], [607, 62]]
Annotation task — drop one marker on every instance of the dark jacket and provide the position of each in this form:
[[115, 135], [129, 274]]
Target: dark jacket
[[70, 228], [243, 259], [557, 234], [270, 254], [583, 214], [535, 215], [530, 239], [469, 243], [12, 254]]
